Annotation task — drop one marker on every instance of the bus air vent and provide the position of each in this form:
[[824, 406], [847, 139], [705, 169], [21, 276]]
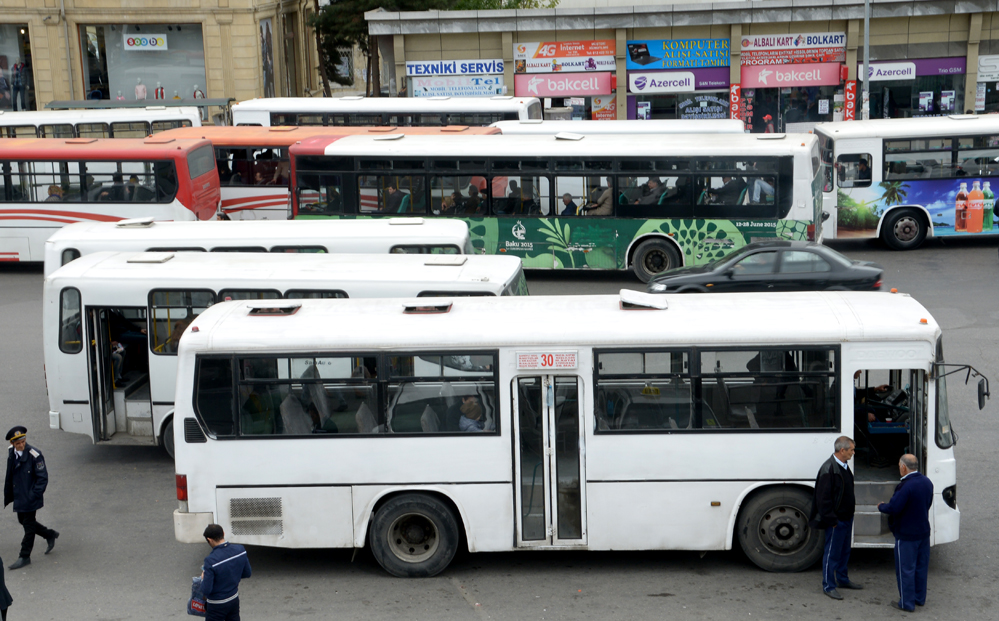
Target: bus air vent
[[453, 260], [454, 128], [636, 300], [445, 98], [155, 107], [502, 97], [192, 432], [390, 137], [382, 130], [438, 306], [352, 98], [81, 141], [962, 117], [568, 136], [406, 221], [135, 223], [283, 129], [771, 136], [273, 309], [155, 140], [256, 516], [150, 257]]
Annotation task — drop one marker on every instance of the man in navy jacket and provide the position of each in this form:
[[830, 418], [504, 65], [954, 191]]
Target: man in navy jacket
[[909, 521], [223, 569], [24, 485]]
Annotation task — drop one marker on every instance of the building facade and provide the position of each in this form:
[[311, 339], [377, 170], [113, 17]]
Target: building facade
[[776, 64]]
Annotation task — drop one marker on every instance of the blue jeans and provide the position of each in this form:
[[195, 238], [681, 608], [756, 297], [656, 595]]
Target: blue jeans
[[912, 561], [836, 555]]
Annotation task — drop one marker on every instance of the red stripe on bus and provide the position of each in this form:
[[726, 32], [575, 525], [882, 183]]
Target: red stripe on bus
[[65, 214], [42, 218], [250, 199], [252, 207]]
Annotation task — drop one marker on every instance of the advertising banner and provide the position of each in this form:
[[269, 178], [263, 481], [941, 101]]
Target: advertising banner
[[850, 104], [733, 101], [567, 56], [661, 82], [908, 70], [787, 49], [678, 53], [703, 107], [454, 67], [458, 86], [145, 42], [775, 76], [988, 68], [980, 98], [567, 85], [604, 108]]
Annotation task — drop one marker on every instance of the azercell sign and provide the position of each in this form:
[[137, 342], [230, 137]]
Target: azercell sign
[[661, 82], [454, 67], [888, 71]]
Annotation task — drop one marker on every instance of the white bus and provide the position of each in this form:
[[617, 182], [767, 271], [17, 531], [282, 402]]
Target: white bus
[[902, 180], [356, 110], [143, 301], [668, 126], [631, 422], [392, 235], [117, 123]]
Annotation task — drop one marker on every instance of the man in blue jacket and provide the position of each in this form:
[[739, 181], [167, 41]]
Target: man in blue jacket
[[27, 478], [908, 512], [223, 569]]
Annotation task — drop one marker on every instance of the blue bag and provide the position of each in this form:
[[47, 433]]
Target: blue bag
[[196, 605]]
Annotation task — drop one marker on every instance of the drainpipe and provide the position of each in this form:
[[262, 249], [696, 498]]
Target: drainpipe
[[69, 58]]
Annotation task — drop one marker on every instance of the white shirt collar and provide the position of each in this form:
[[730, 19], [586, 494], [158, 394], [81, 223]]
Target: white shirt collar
[[909, 475], [839, 462], [17, 454]]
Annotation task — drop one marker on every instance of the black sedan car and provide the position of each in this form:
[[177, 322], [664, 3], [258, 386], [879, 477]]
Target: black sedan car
[[773, 266]]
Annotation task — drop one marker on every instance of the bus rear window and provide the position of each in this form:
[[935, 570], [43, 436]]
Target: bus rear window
[[200, 161]]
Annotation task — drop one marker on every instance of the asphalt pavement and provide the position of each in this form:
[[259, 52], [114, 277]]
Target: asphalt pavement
[[117, 557]]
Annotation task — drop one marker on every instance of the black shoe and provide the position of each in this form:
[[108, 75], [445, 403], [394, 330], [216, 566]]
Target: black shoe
[[897, 607], [833, 594], [51, 540], [22, 561], [851, 585]]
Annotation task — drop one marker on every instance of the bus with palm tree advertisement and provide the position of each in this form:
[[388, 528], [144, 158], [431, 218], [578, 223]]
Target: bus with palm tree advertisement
[[645, 203], [902, 180]]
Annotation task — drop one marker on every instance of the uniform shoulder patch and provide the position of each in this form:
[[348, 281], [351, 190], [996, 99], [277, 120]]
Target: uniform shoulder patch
[[35, 453]]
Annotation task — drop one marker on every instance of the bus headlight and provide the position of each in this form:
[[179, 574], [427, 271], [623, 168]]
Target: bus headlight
[[657, 287], [950, 496]]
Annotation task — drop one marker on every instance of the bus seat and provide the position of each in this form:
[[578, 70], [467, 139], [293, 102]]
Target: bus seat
[[366, 422], [293, 415], [742, 196], [752, 418], [702, 197], [429, 420], [404, 205], [622, 199], [447, 392]]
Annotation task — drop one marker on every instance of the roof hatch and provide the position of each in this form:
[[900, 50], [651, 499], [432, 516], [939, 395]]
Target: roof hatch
[[135, 223], [150, 257], [637, 300], [404, 221], [452, 260]]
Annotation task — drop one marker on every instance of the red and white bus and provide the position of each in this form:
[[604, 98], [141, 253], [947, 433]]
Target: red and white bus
[[253, 161], [46, 183]]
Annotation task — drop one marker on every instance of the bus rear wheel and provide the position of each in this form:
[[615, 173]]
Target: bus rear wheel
[[166, 441], [904, 229], [653, 256], [414, 536], [774, 533]]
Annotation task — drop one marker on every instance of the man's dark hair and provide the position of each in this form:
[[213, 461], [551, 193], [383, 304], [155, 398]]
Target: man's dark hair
[[214, 532]]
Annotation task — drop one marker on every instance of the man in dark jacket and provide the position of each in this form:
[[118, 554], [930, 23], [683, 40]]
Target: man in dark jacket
[[908, 512], [223, 569], [25, 484], [832, 510]]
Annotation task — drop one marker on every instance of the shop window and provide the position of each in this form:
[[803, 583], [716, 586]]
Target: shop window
[[17, 82], [854, 170]]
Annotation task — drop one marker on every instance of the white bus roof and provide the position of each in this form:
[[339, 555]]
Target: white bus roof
[[116, 277], [954, 125], [115, 115], [600, 145], [430, 105], [589, 128], [757, 318]]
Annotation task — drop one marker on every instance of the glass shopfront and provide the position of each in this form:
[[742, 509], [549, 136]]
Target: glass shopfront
[[17, 84], [915, 88], [143, 61]]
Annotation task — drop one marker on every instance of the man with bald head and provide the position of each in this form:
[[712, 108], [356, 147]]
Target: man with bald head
[[908, 512]]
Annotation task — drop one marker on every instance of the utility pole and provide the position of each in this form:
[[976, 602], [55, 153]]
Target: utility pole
[[866, 101]]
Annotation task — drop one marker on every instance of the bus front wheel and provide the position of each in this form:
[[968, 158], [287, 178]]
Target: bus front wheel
[[904, 229], [166, 440], [653, 256], [414, 536], [774, 533]]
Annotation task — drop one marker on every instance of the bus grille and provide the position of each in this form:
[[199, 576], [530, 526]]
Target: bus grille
[[192, 432], [256, 516]]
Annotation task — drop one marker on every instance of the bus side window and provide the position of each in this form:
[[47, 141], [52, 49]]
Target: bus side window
[[132, 129], [854, 170], [214, 399], [170, 312], [69, 254], [70, 322]]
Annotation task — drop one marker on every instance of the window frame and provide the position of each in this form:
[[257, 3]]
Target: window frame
[[79, 300]]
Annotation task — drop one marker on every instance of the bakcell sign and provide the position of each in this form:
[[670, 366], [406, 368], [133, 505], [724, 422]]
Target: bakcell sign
[[660, 82], [820, 47], [567, 56], [734, 91], [145, 42], [776, 76], [888, 71], [454, 67], [567, 85], [850, 105]]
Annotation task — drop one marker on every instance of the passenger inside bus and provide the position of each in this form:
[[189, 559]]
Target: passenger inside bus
[[730, 193]]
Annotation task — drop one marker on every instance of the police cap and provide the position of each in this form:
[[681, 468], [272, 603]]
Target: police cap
[[16, 433]]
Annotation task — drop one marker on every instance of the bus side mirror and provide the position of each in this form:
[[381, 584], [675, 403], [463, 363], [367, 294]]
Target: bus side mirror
[[983, 392]]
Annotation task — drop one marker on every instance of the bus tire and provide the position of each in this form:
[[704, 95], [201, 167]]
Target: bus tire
[[414, 536], [166, 440], [904, 229], [653, 256], [774, 533]]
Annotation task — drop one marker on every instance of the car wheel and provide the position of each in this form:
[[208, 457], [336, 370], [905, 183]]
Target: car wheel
[[837, 288], [654, 256], [692, 289], [414, 536], [774, 533], [904, 229], [167, 440]]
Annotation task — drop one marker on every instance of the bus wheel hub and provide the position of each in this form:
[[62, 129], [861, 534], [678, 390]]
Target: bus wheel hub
[[783, 529]]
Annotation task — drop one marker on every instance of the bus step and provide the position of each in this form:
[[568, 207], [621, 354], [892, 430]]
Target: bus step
[[123, 439], [871, 541], [139, 427], [869, 522], [873, 492]]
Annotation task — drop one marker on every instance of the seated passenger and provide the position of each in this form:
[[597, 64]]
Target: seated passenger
[[116, 191], [392, 199], [454, 414], [55, 194], [474, 203], [471, 417], [655, 189], [729, 193], [570, 205], [600, 200]]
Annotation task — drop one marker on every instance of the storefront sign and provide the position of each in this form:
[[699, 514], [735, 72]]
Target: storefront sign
[[458, 86], [703, 107], [605, 108], [776, 76], [454, 67], [850, 105], [888, 71], [661, 82], [980, 97], [567, 85], [786, 49], [733, 101], [988, 68], [145, 42], [678, 53], [909, 70], [567, 56]]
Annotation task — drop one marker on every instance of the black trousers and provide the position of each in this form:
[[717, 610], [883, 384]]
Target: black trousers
[[31, 528], [228, 611]]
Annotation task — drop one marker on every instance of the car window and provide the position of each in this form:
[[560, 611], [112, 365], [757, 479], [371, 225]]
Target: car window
[[802, 262], [759, 263]]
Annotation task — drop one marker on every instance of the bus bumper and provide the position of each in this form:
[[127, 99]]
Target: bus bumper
[[190, 527], [946, 521]]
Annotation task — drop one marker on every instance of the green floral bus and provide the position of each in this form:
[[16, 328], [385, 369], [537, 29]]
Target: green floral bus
[[641, 202]]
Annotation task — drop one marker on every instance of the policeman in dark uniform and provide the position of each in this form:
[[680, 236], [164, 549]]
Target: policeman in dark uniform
[[25, 484]]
